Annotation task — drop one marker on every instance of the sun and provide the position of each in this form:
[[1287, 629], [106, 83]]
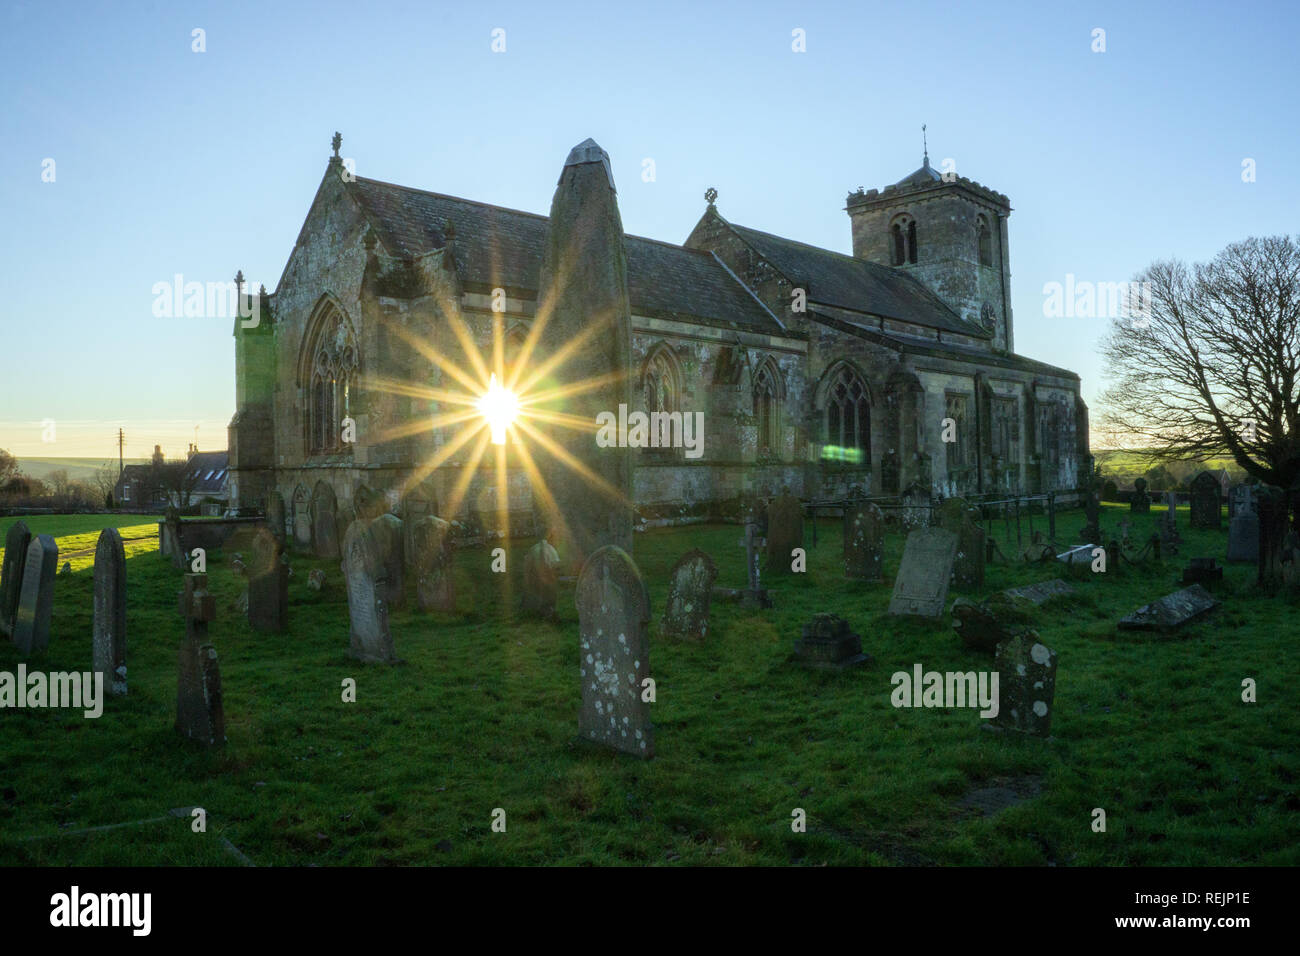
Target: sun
[[499, 406]]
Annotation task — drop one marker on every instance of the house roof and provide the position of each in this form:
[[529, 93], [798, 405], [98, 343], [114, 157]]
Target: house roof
[[498, 247], [207, 471], [845, 282]]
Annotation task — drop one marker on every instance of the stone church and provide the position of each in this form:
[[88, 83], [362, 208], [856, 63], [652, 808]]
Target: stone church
[[815, 371]]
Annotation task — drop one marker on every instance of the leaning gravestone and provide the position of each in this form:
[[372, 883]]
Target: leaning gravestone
[[108, 630], [302, 518], [432, 550], [324, 521], [268, 585], [387, 532], [864, 535], [1141, 503], [690, 592], [277, 522], [17, 538], [613, 611], [1172, 611], [784, 532], [363, 569], [541, 579], [921, 587], [1027, 677], [200, 711], [1039, 593], [1243, 527], [1205, 502], [36, 598], [968, 567]]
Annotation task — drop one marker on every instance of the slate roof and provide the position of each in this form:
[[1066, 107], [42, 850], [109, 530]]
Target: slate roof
[[207, 471], [845, 282], [923, 176], [497, 247]]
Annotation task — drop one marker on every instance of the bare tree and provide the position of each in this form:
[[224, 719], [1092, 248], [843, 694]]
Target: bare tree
[[104, 481], [176, 480], [1212, 365]]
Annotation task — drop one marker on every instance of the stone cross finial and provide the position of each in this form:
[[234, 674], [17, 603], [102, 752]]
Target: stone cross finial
[[239, 281], [711, 195], [336, 142]]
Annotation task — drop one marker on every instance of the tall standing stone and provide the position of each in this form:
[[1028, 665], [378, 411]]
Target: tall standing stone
[[583, 284], [268, 585], [17, 538], [968, 565], [1243, 526], [754, 595], [200, 710], [784, 532], [363, 569], [109, 627], [36, 597], [690, 595], [613, 612], [277, 522], [1206, 502], [1027, 684], [864, 535], [324, 521], [431, 557]]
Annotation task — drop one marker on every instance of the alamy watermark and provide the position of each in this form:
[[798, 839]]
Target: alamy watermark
[[76, 690], [1083, 299], [651, 430], [923, 688], [205, 300]]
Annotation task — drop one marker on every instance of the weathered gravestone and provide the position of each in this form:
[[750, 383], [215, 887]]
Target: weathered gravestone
[[414, 506], [17, 538], [1204, 571], [1243, 526], [363, 571], [1206, 502], [916, 511], [108, 629], [864, 535], [613, 612], [979, 625], [432, 551], [1172, 611], [968, 567], [277, 521], [583, 278], [921, 587], [268, 585], [324, 521], [387, 532], [36, 596], [1092, 516], [368, 504], [754, 595], [1039, 593], [1141, 502], [200, 713], [828, 644], [690, 594], [302, 518], [1027, 684], [541, 579], [784, 532], [1170, 539]]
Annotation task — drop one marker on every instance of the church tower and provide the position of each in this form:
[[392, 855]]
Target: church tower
[[947, 231]]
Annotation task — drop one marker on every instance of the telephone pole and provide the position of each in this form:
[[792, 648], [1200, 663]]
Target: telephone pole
[[121, 440]]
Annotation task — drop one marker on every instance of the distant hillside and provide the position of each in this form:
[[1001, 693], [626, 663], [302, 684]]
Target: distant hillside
[[78, 469], [1123, 465]]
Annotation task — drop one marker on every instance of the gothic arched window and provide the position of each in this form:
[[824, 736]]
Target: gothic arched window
[[661, 392], [903, 233], [848, 412], [911, 242], [767, 409], [328, 377], [985, 242]]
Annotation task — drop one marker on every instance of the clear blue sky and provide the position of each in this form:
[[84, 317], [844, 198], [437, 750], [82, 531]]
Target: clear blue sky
[[170, 161]]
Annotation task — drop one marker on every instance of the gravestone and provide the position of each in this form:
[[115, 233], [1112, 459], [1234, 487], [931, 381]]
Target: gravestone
[[387, 532], [368, 504], [108, 629], [690, 593], [302, 518], [1039, 593], [827, 643], [316, 579], [17, 538], [1204, 571], [978, 626], [1080, 554], [1172, 611], [344, 515], [324, 521], [754, 595], [968, 567], [1141, 503], [784, 532], [277, 522], [414, 506], [613, 611], [916, 511], [1026, 684], [432, 552], [921, 587], [541, 579], [1206, 501], [363, 571], [864, 535], [36, 596], [1092, 515], [1243, 526], [200, 712], [583, 278], [1170, 539], [268, 585]]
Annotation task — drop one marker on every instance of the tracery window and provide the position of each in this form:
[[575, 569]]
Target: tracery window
[[330, 380], [767, 409], [848, 412], [661, 392], [903, 234]]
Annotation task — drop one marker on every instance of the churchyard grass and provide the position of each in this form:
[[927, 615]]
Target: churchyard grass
[[483, 715], [77, 535]]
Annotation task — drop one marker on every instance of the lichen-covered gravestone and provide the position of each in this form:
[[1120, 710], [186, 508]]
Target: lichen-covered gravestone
[[828, 644], [690, 591], [302, 518], [17, 538], [432, 551], [1206, 502], [784, 532], [108, 630], [917, 510], [613, 613], [541, 580], [864, 532], [363, 567], [268, 585], [921, 587], [200, 709], [36, 596], [1027, 684], [387, 532], [324, 521], [968, 565]]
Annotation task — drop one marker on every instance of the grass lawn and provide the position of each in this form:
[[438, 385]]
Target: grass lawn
[[483, 715], [77, 535]]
